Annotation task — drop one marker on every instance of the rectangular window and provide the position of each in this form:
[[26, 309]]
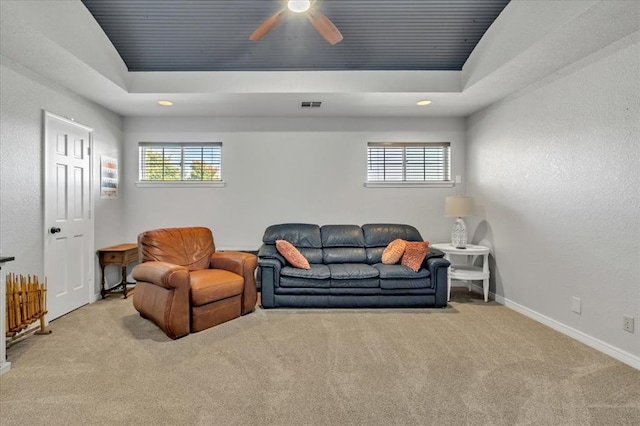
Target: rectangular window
[[180, 162], [407, 162]]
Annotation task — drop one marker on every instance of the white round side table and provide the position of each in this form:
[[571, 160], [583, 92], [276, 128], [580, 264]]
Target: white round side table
[[466, 271]]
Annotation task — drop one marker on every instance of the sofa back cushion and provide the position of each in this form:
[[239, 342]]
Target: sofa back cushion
[[304, 236], [342, 244], [301, 235], [377, 237], [191, 247]]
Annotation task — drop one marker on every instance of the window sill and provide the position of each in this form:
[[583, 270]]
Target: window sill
[[181, 184], [447, 184]]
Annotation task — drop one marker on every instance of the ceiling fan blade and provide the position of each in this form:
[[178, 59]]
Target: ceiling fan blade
[[324, 26], [267, 26]]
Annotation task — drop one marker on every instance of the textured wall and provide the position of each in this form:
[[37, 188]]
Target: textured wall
[[288, 170], [24, 97], [557, 171]]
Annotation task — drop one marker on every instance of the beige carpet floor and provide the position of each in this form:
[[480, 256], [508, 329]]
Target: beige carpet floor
[[473, 363]]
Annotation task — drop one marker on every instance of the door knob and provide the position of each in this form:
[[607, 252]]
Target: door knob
[[54, 230]]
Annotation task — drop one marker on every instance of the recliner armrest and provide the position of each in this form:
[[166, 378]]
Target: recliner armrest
[[162, 295], [238, 262], [162, 274], [243, 264]]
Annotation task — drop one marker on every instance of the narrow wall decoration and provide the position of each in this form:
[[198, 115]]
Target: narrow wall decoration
[[108, 177]]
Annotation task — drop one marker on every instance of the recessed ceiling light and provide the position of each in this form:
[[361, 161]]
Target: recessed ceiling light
[[299, 6], [165, 103], [424, 102]]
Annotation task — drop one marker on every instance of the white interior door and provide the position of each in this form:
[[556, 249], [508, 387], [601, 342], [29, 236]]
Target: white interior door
[[68, 240]]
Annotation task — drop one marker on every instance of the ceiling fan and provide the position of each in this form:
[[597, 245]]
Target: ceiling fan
[[320, 22]]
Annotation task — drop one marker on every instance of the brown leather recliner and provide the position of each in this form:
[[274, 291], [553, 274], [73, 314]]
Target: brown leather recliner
[[184, 286]]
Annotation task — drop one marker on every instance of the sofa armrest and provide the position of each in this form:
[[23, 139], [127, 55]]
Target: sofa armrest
[[162, 274], [439, 269], [434, 253], [269, 251], [270, 279], [243, 264]]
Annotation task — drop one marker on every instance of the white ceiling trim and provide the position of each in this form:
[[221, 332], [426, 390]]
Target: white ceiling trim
[[296, 82], [62, 42]]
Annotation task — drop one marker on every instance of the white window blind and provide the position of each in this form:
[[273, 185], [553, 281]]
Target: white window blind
[[408, 162], [180, 162]]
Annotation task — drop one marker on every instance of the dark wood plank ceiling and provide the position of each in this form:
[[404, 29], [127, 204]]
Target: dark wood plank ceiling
[[213, 35]]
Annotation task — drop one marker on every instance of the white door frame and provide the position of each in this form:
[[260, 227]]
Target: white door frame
[[91, 296]]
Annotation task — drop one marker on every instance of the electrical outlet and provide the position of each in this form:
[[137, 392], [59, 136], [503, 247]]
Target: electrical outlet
[[576, 306], [628, 323]]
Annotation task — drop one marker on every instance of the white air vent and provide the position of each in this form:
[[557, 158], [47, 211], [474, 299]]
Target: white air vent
[[310, 104]]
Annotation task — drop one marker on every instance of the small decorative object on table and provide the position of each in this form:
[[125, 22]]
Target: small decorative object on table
[[459, 207]]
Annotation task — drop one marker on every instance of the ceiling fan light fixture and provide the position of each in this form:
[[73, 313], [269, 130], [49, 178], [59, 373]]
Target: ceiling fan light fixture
[[299, 6], [320, 22]]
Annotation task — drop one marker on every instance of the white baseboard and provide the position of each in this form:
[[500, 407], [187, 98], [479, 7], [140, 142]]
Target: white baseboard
[[5, 366], [612, 351]]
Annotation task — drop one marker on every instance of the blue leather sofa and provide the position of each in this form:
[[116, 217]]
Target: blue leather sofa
[[346, 269]]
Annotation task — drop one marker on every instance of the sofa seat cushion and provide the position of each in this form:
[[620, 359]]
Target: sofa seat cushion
[[405, 284], [293, 282], [356, 283], [399, 272], [211, 285], [315, 277], [353, 275], [351, 271], [340, 291], [315, 272]]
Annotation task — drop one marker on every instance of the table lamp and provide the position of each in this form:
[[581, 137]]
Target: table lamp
[[459, 207]]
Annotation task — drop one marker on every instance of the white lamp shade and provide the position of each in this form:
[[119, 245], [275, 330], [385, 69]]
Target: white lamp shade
[[459, 206]]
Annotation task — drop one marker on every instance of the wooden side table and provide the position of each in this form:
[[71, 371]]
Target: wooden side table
[[467, 271], [121, 255]]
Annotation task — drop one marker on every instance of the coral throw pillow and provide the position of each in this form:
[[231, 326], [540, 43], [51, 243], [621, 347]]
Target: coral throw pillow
[[414, 254], [394, 251], [293, 256]]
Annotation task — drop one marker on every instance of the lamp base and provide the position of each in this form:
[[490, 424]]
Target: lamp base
[[459, 234]]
